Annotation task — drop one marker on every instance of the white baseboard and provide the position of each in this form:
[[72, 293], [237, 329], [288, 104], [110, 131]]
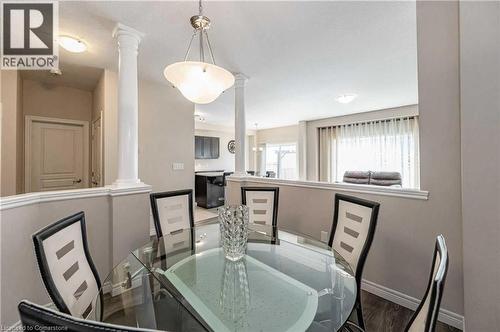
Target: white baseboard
[[412, 303]]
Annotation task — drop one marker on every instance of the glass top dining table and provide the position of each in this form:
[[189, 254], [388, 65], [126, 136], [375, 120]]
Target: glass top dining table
[[182, 282]]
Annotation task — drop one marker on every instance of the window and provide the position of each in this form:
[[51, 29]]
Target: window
[[282, 160], [387, 145]]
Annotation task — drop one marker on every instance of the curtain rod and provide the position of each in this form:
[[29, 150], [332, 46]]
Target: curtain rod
[[371, 121]]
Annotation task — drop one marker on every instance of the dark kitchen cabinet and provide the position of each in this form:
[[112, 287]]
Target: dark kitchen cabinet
[[209, 190], [206, 147]]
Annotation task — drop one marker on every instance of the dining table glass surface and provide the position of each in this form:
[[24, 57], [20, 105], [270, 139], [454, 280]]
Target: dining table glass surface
[[182, 282]]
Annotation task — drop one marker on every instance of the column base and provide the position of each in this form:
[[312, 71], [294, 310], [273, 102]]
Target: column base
[[120, 183]]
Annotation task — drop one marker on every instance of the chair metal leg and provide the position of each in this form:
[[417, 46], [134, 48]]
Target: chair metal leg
[[359, 312], [347, 328], [351, 324]]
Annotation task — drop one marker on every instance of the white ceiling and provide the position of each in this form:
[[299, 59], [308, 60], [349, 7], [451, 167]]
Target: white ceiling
[[299, 55], [74, 76]]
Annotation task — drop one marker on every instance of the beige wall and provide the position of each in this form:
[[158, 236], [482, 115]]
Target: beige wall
[[56, 101], [480, 138], [27, 97], [20, 137], [226, 158], [12, 125], [109, 79], [439, 113], [115, 226], [52, 101], [312, 131], [129, 228], [397, 260], [288, 134], [402, 250], [166, 135], [98, 99], [1, 156]]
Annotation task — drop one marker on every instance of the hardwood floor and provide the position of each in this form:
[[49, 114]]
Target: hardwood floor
[[384, 316]]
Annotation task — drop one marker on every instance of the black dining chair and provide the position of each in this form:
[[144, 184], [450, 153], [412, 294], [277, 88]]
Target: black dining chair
[[426, 316], [66, 267], [224, 176], [262, 204], [353, 228], [35, 317], [172, 211]]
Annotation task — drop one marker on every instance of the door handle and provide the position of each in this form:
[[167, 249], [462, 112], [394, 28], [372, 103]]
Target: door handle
[[77, 181]]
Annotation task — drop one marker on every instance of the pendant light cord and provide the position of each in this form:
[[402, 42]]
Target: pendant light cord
[[202, 53], [203, 33], [190, 44]]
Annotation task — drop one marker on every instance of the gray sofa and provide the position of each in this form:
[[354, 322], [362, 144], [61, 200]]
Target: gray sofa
[[387, 179]]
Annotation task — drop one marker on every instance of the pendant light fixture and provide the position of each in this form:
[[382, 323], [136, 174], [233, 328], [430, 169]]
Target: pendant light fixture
[[199, 81]]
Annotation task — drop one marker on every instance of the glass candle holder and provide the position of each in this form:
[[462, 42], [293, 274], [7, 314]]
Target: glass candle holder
[[233, 221]]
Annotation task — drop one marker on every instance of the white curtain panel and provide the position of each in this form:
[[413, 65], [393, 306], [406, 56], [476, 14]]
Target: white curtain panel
[[388, 145], [327, 152]]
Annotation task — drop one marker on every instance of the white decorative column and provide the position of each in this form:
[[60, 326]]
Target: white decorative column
[[128, 107], [239, 125]]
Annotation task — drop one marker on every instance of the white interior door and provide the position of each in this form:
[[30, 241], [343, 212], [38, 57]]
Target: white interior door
[[96, 175], [56, 154]]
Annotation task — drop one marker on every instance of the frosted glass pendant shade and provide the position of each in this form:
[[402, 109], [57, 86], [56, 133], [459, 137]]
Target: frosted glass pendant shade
[[199, 82]]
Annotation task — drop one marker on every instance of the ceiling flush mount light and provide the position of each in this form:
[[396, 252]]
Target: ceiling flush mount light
[[199, 81], [346, 98], [72, 45]]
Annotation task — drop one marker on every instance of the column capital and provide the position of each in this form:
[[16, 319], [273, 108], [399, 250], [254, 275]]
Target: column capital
[[124, 30], [240, 80]]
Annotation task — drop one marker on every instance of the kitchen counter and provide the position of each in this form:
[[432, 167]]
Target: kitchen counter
[[209, 189], [209, 174]]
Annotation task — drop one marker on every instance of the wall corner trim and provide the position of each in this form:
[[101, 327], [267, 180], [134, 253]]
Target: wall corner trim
[[10, 202]]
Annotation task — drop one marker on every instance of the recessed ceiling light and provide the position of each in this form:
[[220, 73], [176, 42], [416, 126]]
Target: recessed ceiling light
[[346, 98], [72, 44], [199, 117], [56, 71]]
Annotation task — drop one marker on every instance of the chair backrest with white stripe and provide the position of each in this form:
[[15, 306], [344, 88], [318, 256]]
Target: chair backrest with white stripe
[[172, 211], [36, 317], [262, 204], [426, 315], [67, 270], [353, 228]]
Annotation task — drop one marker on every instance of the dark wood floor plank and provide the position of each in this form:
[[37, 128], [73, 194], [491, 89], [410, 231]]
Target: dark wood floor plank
[[381, 315]]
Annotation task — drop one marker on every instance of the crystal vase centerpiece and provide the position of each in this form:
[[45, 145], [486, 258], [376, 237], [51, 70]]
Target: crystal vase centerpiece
[[233, 221]]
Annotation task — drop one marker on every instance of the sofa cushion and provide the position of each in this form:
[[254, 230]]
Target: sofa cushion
[[358, 177], [386, 175], [385, 178]]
